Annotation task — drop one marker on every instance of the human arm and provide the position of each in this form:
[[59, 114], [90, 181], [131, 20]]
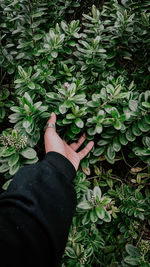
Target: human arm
[[37, 209]]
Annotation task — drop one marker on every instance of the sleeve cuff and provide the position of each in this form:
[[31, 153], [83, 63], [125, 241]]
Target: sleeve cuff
[[62, 164]]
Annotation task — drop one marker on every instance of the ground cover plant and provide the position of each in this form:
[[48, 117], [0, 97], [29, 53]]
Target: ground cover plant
[[90, 64]]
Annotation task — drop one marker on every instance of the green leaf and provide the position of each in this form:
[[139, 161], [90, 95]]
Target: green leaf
[[110, 183], [106, 200], [103, 142], [146, 141], [147, 118], [8, 152], [99, 151], [110, 152], [13, 159], [135, 130], [116, 144], [107, 217], [129, 135], [97, 193], [4, 167], [79, 123], [28, 98], [132, 250], [30, 161], [70, 116], [65, 121], [19, 81], [91, 131], [54, 54], [27, 122], [64, 26], [6, 184], [62, 109], [114, 113], [117, 125], [31, 85], [132, 261], [84, 205], [143, 126], [99, 128], [13, 169], [75, 129], [70, 252], [28, 153], [93, 216], [110, 160], [146, 104], [123, 140], [133, 105], [100, 212]]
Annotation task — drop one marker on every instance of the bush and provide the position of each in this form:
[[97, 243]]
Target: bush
[[93, 72]]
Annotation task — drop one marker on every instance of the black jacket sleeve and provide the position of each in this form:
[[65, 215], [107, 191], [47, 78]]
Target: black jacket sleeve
[[36, 212]]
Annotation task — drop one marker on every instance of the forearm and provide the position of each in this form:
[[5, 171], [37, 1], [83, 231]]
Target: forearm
[[38, 208]]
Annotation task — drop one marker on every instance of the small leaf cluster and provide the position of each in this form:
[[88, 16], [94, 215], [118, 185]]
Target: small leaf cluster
[[14, 152]]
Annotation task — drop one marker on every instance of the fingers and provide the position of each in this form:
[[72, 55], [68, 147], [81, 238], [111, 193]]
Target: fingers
[[86, 150], [81, 140]]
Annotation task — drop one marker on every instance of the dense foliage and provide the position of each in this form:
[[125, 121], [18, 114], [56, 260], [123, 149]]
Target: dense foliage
[[90, 64]]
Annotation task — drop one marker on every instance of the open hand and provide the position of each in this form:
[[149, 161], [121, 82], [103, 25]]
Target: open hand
[[54, 143]]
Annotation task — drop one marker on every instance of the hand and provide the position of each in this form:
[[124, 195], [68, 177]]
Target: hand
[[54, 143]]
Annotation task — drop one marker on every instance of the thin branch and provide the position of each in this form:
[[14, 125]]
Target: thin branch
[[141, 235], [125, 159]]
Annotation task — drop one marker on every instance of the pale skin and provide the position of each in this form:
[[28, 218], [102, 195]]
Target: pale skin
[[54, 143]]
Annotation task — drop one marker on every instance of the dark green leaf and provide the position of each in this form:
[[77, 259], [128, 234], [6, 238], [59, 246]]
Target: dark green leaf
[[13, 159], [28, 153], [100, 212]]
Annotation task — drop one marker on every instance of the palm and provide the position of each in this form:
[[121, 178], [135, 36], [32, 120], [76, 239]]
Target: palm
[[54, 143]]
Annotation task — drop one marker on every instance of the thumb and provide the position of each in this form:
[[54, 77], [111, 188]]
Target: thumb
[[52, 120]]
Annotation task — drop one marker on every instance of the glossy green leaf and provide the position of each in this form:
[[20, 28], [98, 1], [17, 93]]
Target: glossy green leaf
[[28, 153], [107, 217], [132, 261], [123, 140], [85, 205], [13, 169], [133, 105], [93, 216], [100, 212], [99, 151], [129, 135], [13, 159], [79, 123], [4, 167], [110, 152], [8, 151], [97, 193], [116, 144], [117, 125], [31, 85], [6, 184]]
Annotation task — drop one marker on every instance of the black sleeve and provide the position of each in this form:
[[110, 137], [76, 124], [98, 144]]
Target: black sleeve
[[36, 212]]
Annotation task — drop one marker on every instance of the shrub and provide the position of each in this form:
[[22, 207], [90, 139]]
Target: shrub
[[93, 72]]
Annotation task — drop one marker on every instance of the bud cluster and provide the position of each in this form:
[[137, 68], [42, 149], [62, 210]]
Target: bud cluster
[[84, 257], [17, 141], [144, 246], [93, 201]]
